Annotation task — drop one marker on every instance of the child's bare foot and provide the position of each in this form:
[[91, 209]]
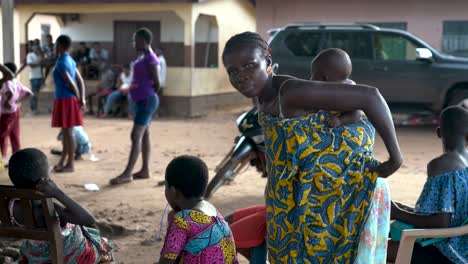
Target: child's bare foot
[[121, 179], [141, 175]]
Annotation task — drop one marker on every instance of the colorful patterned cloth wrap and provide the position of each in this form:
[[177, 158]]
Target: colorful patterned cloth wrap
[[195, 237], [81, 245], [448, 193], [374, 235], [318, 191]]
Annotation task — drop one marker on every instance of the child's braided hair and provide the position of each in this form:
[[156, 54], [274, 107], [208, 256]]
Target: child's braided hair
[[245, 39]]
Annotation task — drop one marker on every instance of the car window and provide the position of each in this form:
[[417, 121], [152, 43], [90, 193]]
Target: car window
[[356, 44], [394, 47], [303, 43]]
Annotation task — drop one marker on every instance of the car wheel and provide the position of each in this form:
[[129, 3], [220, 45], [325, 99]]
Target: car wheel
[[458, 97]]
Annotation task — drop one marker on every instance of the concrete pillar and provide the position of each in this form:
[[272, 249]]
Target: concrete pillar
[[8, 31]]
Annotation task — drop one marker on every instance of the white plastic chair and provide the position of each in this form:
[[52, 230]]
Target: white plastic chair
[[408, 237]]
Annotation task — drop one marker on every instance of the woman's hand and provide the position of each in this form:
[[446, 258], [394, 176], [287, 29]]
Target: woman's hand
[[48, 187], [388, 167]]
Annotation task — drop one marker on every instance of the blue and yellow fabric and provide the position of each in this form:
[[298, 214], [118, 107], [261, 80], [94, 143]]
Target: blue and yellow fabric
[[318, 191]]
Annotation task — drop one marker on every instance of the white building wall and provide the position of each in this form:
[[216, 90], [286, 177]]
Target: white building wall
[[206, 29], [34, 27], [100, 27]]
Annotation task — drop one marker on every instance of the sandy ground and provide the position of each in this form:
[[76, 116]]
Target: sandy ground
[[139, 205]]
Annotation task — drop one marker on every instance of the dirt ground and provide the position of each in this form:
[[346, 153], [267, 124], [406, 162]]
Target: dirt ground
[[138, 206]]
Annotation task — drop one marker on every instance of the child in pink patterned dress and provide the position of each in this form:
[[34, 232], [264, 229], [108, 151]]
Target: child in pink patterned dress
[[197, 232]]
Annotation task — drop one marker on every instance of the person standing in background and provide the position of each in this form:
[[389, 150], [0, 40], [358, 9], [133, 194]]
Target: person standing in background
[[34, 61]]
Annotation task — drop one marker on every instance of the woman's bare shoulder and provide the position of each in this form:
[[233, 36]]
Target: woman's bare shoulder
[[445, 163]]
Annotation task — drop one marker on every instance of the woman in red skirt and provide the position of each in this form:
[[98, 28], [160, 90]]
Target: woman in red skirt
[[69, 91]]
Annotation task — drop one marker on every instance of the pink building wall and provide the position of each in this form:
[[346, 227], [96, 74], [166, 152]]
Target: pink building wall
[[424, 18]]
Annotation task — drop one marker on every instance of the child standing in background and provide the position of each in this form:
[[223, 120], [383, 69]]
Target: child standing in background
[[12, 92], [69, 98]]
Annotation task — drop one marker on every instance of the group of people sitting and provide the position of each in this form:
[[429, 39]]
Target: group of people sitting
[[326, 198], [111, 94], [92, 61]]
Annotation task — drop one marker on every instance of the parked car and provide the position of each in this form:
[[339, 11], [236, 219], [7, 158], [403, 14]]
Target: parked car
[[409, 73]]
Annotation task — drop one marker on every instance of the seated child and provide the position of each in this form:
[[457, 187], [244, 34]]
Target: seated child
[[444, 199], [123, 84], [105, 87], [12, 92], [81, 242], [83, 145], [197, 233]]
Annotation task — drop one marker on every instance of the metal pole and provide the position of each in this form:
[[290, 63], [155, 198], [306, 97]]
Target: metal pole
[[8, 31]]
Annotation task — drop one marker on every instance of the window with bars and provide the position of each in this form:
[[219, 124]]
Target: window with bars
[[455, 38]]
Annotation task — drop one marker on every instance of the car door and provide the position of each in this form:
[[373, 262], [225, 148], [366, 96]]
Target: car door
[[357, 43], [400, 77], [293, 51]]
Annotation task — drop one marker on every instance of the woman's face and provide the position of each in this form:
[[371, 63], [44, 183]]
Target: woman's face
[[139, 43], [247, 72]]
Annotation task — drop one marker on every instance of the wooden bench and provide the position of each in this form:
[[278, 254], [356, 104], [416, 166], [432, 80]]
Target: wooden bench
[[30, 230]]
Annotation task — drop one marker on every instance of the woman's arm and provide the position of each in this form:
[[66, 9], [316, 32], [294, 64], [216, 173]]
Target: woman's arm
[[71, 212], [153, 68], [345, 97], [441, 220], [81, 87], [71, 83]]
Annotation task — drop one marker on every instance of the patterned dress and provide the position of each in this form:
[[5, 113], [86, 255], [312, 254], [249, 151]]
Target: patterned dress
[[448, 193], [195, 237], [318, 193], [374, 234], [81, 245]]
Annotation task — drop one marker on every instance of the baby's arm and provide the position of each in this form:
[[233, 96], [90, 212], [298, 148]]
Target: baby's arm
[[345, 118]]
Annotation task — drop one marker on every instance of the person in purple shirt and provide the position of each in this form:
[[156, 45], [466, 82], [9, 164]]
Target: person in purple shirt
[[143, 92]]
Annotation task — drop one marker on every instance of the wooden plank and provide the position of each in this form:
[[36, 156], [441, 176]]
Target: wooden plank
[[53, 227], [4, 212], [12, 192], [25, 233]]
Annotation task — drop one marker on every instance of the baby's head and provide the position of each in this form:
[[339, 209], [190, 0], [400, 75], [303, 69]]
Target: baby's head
[[186, 179], [27, 166], [453, 127], [331, 65]]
